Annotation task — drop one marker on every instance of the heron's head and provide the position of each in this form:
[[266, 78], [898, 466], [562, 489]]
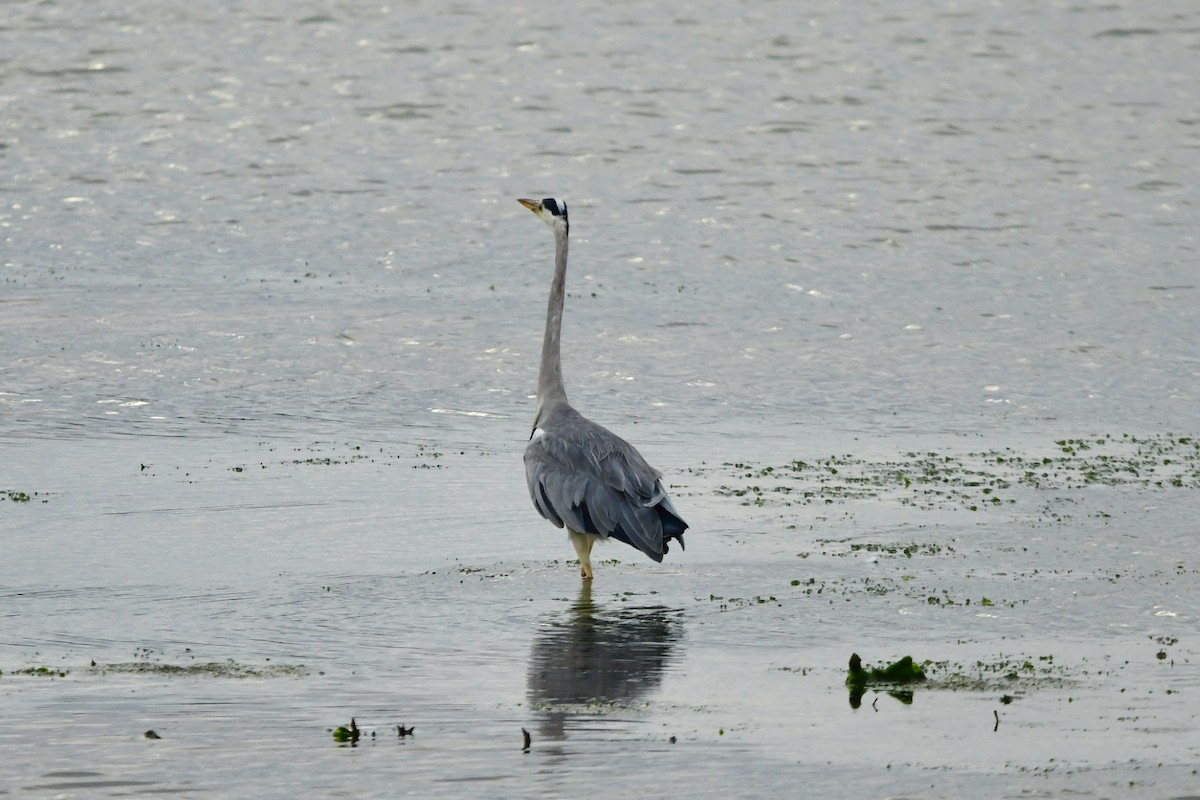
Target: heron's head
[[552, 211]]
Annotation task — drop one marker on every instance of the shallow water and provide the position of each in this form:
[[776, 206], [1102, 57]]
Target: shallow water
[[902, 300]]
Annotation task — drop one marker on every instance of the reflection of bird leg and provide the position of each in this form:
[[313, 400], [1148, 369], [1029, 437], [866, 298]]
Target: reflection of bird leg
[[583, 608], [583, 548]]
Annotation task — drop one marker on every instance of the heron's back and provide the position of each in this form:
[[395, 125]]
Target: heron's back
[[584, 476]]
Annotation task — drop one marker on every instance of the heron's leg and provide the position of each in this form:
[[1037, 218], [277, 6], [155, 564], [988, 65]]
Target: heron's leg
[[583, 548]]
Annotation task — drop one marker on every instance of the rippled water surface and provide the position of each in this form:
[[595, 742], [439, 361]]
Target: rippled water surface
[[902, 299]]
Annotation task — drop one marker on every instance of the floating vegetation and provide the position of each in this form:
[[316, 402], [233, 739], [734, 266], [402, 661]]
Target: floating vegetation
[[211, 669], [484, 573], [347, 734], [906, 550], [17, 496], [41, 672], [1010, 676], [356, 454], [427, 452], [894, 678], [314, 454], [737, 602], [350, 734], [975, 481], [596, 706], [846, 589], [898, 672], [1004, 674]]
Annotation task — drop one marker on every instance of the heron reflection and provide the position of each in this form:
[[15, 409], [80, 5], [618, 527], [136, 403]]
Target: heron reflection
[[594, 656]]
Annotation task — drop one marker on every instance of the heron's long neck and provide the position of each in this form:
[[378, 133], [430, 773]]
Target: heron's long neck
[[550, 381]]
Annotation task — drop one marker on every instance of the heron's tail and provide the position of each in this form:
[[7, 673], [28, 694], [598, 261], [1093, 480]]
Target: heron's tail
[[673, 525]]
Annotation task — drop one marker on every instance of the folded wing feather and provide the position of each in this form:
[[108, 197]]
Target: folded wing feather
[[591, 480]]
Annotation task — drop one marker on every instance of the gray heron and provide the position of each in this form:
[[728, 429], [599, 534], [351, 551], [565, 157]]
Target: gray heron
[[582, 476]]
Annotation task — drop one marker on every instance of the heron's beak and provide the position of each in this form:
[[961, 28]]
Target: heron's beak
[[532, 205]]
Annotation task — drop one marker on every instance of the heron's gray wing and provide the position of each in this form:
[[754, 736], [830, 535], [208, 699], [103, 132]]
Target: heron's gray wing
[[591, 480]]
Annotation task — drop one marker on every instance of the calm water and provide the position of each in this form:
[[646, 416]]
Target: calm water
[[271, 319]]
